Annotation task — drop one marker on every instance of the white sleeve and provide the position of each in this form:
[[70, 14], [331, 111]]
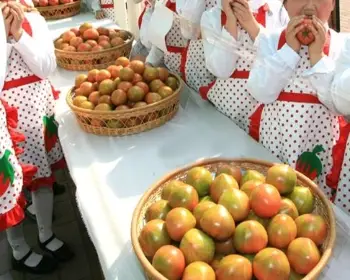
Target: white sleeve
[[37, 51], [272, 69], [144, 28], [155, 56], [340, 88], [219, 46], [3, 54], [190, 13]]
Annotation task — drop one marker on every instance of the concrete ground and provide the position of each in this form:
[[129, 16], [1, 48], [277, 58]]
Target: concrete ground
[[69, 227]]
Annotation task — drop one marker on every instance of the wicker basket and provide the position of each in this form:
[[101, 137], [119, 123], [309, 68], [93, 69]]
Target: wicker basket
[[85, 61], [322, 207], [132, 121], [60, 11]]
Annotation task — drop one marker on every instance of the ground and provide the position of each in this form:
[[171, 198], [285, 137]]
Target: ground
[[345, 15], [70, 228]]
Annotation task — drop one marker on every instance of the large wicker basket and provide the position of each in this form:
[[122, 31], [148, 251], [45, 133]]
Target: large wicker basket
[[132, 121], [85, 61], [322, 207], [60, 11]]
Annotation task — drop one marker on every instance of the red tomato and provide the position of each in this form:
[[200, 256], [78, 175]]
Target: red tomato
[[249, 186], [237, 203], [281, 231], [282, 177], [250, 237], [199, 271], [158, 210], [289, 208], [265, 201], [201, 207], [312, 226], [216, 261], [305, 36], [170, 262], [234, 267], [271, 264], [183, 196], [303, 255], [225, 247], [221, 184], [179, 221], [253, 217]]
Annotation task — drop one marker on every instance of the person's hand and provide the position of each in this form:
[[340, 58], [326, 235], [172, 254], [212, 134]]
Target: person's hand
[[246, 18], [294, 26], [18, 17], [316, 47], [227, 8], [8, 17], [100, 14]]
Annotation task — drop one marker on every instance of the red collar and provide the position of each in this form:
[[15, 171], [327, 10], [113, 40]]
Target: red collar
[[171, 5]]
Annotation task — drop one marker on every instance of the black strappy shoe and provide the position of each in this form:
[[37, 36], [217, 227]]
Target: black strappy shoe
[[63, 254], [45, 266]]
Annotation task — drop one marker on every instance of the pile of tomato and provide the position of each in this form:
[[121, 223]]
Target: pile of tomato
[[234, 225]]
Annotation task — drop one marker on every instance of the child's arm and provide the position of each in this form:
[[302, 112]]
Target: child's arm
[[37, 51], [272, 68]]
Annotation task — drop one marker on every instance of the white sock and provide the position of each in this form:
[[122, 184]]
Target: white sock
[[20, 247], [31, 209], [43, 204], [5, 265]]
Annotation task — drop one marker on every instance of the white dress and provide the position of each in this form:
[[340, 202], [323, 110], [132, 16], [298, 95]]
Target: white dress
[[297, 122], [193, 68], [230, 60], [31, 60]]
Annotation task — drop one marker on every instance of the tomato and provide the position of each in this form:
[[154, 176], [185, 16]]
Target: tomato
[[170, 262], [183, 196], [271, 264], [198, 271], [206, 198], [199, 210], [200, 178], [232, 170], [250, 237], [234, 267], [250, 257], [168, 187], [158, 210], [225, 247], [216, 261], [303, 255], [221, 184], [312, 226], [237, 203], [249, 186], [153, 236], [281, 231], [305, 36], [265, 201], [295, 276], [218, 223], [289, 208], [197, 246], [282, 177], [303, 199], [252, 175], [253, 217], [178, 221]]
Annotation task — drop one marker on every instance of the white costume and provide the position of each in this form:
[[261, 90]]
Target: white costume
[[230, 60], [297, 122]]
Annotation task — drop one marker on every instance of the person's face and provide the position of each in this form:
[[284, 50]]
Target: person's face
[[320, 8]]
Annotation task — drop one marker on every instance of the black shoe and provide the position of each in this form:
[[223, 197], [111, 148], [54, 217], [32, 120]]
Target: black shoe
[[58, 189], [63, 254], [45, 266]]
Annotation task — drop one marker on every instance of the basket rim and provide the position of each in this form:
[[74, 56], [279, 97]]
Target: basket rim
[[69, 101], [130, 40], [152, 271], [60, 6]]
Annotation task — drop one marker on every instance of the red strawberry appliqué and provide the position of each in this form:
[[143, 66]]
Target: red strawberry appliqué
[[309, 164], [50, 132], [7, 173]]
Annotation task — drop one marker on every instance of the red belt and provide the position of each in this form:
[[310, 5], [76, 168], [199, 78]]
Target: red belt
[[237, 74], [173, 49], [255, 118], [21, 82], [107, 6]]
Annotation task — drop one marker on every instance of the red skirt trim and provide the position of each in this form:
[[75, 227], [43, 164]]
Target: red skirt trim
[[61, 164], [14, 216], [38, 183]]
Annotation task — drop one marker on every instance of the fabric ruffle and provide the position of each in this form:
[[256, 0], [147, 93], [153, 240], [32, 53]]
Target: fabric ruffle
[[14, 216]]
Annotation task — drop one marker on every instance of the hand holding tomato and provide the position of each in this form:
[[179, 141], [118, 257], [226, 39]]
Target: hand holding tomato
[[316, 47], [295, 25]]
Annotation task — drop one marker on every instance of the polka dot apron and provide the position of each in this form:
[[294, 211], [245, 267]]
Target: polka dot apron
[[34, 99], [297, 128], [12, 174], [230, 96], [175, 43], [107, 7], [193, 67]]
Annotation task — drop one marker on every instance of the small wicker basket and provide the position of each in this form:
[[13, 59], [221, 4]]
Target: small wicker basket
[[60, 11], [132, 121], [322, 207], [85, 61]]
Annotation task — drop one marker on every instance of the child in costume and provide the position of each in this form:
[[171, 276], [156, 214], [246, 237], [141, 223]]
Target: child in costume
[[12, 177], [31, 60], [231, 33], [101, 8], [298, 120]]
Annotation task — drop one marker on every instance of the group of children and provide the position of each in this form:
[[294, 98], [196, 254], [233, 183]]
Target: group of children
[[248, 62], [29, 156]]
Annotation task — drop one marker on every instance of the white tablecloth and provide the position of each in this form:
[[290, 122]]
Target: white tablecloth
[[111, 173]]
